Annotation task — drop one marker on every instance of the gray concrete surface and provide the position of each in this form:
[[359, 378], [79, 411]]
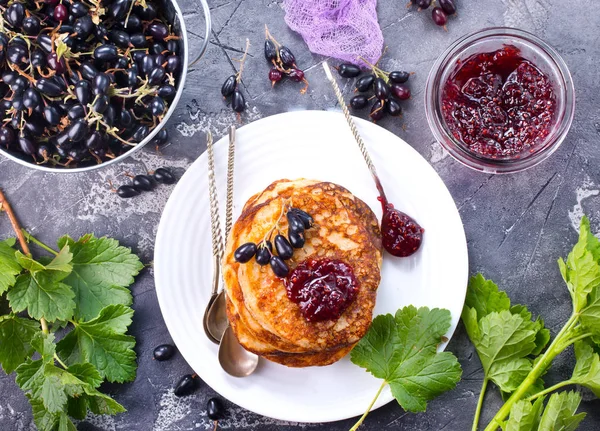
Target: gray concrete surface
[[516, 226]]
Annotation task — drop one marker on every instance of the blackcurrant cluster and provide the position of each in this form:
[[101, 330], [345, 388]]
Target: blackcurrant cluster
[[389, 88], [230, 86], [439, 13], [146, 183], [283, 62], [298, 222], [84, 82]]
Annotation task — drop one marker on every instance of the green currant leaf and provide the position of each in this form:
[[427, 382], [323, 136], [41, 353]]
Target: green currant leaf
[[9, 266], [559, 414], [16, 334], [402, 350], [102, 342], [525, 416], [102, 271], [43, 295], [587, 368]]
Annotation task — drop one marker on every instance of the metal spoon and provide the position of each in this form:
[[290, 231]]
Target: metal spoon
[[217, 238], [402, 234], [234, 359], [216, 315]]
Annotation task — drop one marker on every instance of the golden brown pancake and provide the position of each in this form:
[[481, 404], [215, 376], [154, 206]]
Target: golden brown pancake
[[264, 320]]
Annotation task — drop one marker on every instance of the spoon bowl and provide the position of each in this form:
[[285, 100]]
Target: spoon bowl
[[215, 318], [234, 359]]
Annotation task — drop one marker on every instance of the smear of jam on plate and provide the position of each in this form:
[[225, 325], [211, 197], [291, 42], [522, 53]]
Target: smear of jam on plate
[[323, 288], [499, 104]]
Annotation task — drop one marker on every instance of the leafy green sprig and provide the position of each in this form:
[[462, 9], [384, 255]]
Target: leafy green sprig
[[402, 351], [81, 289], [512, 346]]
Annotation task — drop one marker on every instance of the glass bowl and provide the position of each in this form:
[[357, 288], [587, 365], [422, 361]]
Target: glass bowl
[[543, 56]]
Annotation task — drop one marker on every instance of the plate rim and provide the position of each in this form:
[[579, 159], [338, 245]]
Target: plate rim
[[386, 396]]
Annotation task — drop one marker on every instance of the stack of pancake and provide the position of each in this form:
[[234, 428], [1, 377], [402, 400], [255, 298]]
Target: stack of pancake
[[264, 320]]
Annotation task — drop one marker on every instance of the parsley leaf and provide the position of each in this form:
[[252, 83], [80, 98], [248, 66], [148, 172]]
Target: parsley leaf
[[402, 350], [103, 343], [43, 295], [102, 270], [16, 334], [9, 267]]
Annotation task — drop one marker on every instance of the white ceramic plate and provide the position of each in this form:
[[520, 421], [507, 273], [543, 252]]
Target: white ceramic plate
[[315, 145]]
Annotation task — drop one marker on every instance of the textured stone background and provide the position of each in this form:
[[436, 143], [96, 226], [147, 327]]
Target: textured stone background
[[516, 226]]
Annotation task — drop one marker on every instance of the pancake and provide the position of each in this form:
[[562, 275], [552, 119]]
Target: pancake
[[264, 320]]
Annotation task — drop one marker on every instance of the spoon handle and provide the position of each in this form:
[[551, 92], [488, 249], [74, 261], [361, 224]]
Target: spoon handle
[[215, 222], [357, 137], [230, 166]]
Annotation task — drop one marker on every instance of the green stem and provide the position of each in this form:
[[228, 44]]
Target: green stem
[[44, 326], [36, 241], [362, 418], [574, 340], [542, 365], [550, 389], [60, 362], [479, 404]]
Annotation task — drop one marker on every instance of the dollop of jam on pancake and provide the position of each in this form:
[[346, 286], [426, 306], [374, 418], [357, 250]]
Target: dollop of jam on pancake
[[323, 288]]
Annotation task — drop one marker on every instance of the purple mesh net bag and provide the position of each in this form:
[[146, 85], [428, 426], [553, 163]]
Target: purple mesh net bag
[[343, 29]]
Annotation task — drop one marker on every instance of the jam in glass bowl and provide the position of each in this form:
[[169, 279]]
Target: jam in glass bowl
[[500, 100]]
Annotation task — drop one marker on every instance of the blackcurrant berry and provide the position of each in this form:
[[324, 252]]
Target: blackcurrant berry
[[164, 352], [283, 247], [365, 83], [127, 192], [279, 267], [186, 385], [348, 70], [215, 409], [399, 77], [439, 16], [229, 86], [245, 252]]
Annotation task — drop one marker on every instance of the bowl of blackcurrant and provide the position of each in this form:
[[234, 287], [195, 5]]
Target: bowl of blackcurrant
[[86, 83]]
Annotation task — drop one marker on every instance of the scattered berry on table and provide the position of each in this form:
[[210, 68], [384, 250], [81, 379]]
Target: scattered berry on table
[[186, 385], [163, 352], [215, 409], [230, 88]]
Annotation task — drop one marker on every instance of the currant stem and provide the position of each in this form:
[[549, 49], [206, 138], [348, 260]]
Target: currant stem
[[44, 326], [550, 389], [14, 222], [540, 367], [362, 418], [39, 243], [60, 362], [276, 225], [238, 75], [479, 404]]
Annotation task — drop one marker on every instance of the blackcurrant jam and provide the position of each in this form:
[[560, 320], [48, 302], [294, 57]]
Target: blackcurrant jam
[[499, 104], [401, 235], [323, 288]]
